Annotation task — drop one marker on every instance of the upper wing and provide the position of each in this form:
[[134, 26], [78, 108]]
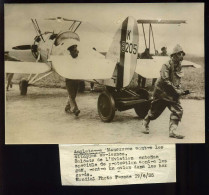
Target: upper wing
[[26, 67], [159, 21], [88, 65], [150, 68]]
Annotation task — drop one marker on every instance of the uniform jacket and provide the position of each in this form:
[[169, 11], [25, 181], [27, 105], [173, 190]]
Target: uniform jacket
[[168, 85]]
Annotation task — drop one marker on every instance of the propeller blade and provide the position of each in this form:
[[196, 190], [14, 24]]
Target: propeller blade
[[22, 47]]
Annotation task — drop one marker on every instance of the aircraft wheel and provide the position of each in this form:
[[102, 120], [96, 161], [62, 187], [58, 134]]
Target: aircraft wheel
[[106, 107], [23, 85], [143, 108]]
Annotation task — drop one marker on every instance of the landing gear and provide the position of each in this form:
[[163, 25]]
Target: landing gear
[[106, 107], [113, 99], [23, 85]]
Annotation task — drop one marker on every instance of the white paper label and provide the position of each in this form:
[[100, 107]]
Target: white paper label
[[117, 164]]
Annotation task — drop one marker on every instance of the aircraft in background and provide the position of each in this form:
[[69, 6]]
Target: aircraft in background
[[114, 70], [150, 68]]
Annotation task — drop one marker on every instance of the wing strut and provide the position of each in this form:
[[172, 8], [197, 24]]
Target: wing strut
[[144, 35], [34, 25], [153, 37], [37, 29], [73, 24], [149, 35]]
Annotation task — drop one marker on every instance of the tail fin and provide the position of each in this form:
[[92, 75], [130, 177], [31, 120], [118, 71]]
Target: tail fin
[[124, 50]]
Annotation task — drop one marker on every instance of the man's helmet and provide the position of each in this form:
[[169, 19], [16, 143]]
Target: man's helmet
[[177, 49]]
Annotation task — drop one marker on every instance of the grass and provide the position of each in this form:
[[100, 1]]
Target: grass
[[194, 78]]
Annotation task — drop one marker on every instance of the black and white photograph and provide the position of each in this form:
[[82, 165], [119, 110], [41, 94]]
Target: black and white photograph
[[104, 73]]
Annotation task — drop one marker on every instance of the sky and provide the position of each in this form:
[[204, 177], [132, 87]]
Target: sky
[[101, 21]]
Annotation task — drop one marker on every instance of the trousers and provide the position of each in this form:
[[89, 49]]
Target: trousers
[[9, 79], [159, 105], [72, 88]]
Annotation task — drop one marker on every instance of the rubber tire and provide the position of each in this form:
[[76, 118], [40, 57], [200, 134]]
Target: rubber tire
[[106, 107], [23, 85], [143, 108]]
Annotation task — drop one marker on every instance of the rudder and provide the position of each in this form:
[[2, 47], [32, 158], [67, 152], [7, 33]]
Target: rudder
[[124, 50]]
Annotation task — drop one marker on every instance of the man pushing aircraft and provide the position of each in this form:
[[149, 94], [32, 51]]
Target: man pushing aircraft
[[167, 93], [69, 47], [72, 86]]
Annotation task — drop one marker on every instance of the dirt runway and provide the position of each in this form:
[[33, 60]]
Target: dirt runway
[[39, 118]]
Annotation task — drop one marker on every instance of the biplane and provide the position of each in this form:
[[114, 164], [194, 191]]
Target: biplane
[[114, 69], [150, 68]]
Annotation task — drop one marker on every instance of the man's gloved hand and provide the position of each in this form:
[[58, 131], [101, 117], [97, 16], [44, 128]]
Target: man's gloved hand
[[186, 92]]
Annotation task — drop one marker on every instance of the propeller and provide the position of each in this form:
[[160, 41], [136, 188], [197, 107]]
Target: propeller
[[22, 47], [33, 48]]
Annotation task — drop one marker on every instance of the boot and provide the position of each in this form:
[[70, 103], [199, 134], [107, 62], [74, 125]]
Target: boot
[[76, 112], [68, 109], [75, 109], [11, 85], [173, 129], [145, 125]]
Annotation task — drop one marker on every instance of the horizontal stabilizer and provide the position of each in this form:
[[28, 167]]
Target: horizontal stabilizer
[[150, 68], [83, 68], [26, 67]]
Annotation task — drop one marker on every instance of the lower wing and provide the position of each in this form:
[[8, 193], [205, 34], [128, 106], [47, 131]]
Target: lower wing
[[82, 69], [26, 67], [88, 65]]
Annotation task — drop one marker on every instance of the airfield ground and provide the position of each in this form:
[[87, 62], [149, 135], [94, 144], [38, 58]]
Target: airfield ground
[[39, 118]]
